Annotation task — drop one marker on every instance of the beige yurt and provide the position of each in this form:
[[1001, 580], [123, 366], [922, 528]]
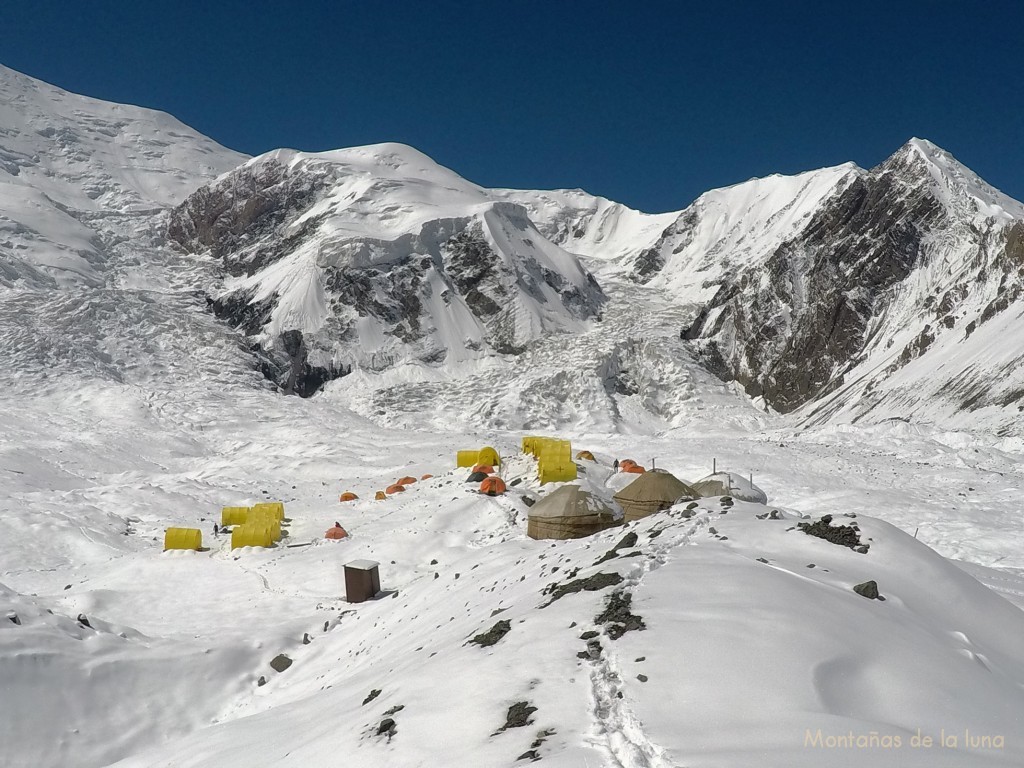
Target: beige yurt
[[569, 513], [652, 492], [730, 484]]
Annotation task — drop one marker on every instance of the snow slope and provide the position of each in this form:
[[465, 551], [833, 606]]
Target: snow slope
[[68, 162]]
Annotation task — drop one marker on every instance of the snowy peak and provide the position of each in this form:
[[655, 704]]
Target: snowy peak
[[891, 269], [373, 256], [951, 182], [69, 165]]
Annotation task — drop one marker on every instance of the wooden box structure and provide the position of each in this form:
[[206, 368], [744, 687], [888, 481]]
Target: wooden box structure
[[362, 580]]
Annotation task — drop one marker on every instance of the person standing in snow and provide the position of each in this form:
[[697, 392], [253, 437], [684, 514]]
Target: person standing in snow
[[216, 531], [615, 466]]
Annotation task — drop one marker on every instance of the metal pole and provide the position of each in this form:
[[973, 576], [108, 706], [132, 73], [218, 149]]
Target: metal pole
[[714, 466]]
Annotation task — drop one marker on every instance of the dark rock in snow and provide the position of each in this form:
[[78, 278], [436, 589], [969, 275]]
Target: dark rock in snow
[[868, 589], [618, 617], [843, 535], [493, 635], [518, 715], [280, 663], [372, 695], [593, 583]]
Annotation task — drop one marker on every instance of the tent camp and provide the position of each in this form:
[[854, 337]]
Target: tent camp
[[730, 484], [569, 513], [652, 492]]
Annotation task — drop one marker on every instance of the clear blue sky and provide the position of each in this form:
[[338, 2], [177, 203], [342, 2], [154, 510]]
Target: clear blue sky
[[647, 103]]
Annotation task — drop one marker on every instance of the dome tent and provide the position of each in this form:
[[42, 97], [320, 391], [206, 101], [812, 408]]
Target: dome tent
[[730, 484], [652, 492], [492, 486], [569, 513]]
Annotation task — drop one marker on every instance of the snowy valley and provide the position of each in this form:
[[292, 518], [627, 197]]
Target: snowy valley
[[184, 328]]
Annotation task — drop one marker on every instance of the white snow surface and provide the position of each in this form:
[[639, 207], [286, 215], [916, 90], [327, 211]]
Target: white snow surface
[[125, 409]]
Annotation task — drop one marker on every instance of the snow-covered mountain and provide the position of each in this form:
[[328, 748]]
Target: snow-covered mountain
[[71, 166], [371, 256], [713, 633]]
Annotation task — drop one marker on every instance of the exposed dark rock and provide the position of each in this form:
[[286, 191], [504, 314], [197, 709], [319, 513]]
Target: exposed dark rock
[[844, 535], [518, 715], [618, 617], [588, 634], [868, 589], [387, 726], [394, 710], [493, 635], [13, 618], [642, 678], [593, 583], [372, 695], [84, 620], [261, 681], [280, 663]]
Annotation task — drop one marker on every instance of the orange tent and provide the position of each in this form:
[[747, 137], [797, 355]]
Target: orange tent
[[625, 464], [380, 496], [492, 486], [337, 532], [396, 488], [487, 469], [407, 480], [347, 496], [636, 469], [426, 477]]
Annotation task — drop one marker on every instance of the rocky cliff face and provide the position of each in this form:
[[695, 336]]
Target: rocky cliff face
[[374, 257], [874, 276]]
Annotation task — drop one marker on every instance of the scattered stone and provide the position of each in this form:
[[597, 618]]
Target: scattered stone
[[593, 583], [686, 514], [642, 678], [67, 586], [655, 533], [280, 663], [326, 625], [761, 560], [618, 616], [775, 515], [434, 561], [530, 754], [627, 541], [724, 538], [84, 620], [13, 618], [437, 575], [862, 549], [372, 695], [810, 565], [868, 589], [394, 710], [261, 682], [712, 531], [593, 651], [529, 501], [692, 505], [493, 635], [641, 658], [726, 500], [306, 639], [515, 482], [588, 634], [518, 715], [572, 625], [387, 725], [843, 535], [496, 611]]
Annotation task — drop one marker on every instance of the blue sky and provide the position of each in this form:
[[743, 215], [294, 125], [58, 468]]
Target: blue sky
[[646, 103]]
